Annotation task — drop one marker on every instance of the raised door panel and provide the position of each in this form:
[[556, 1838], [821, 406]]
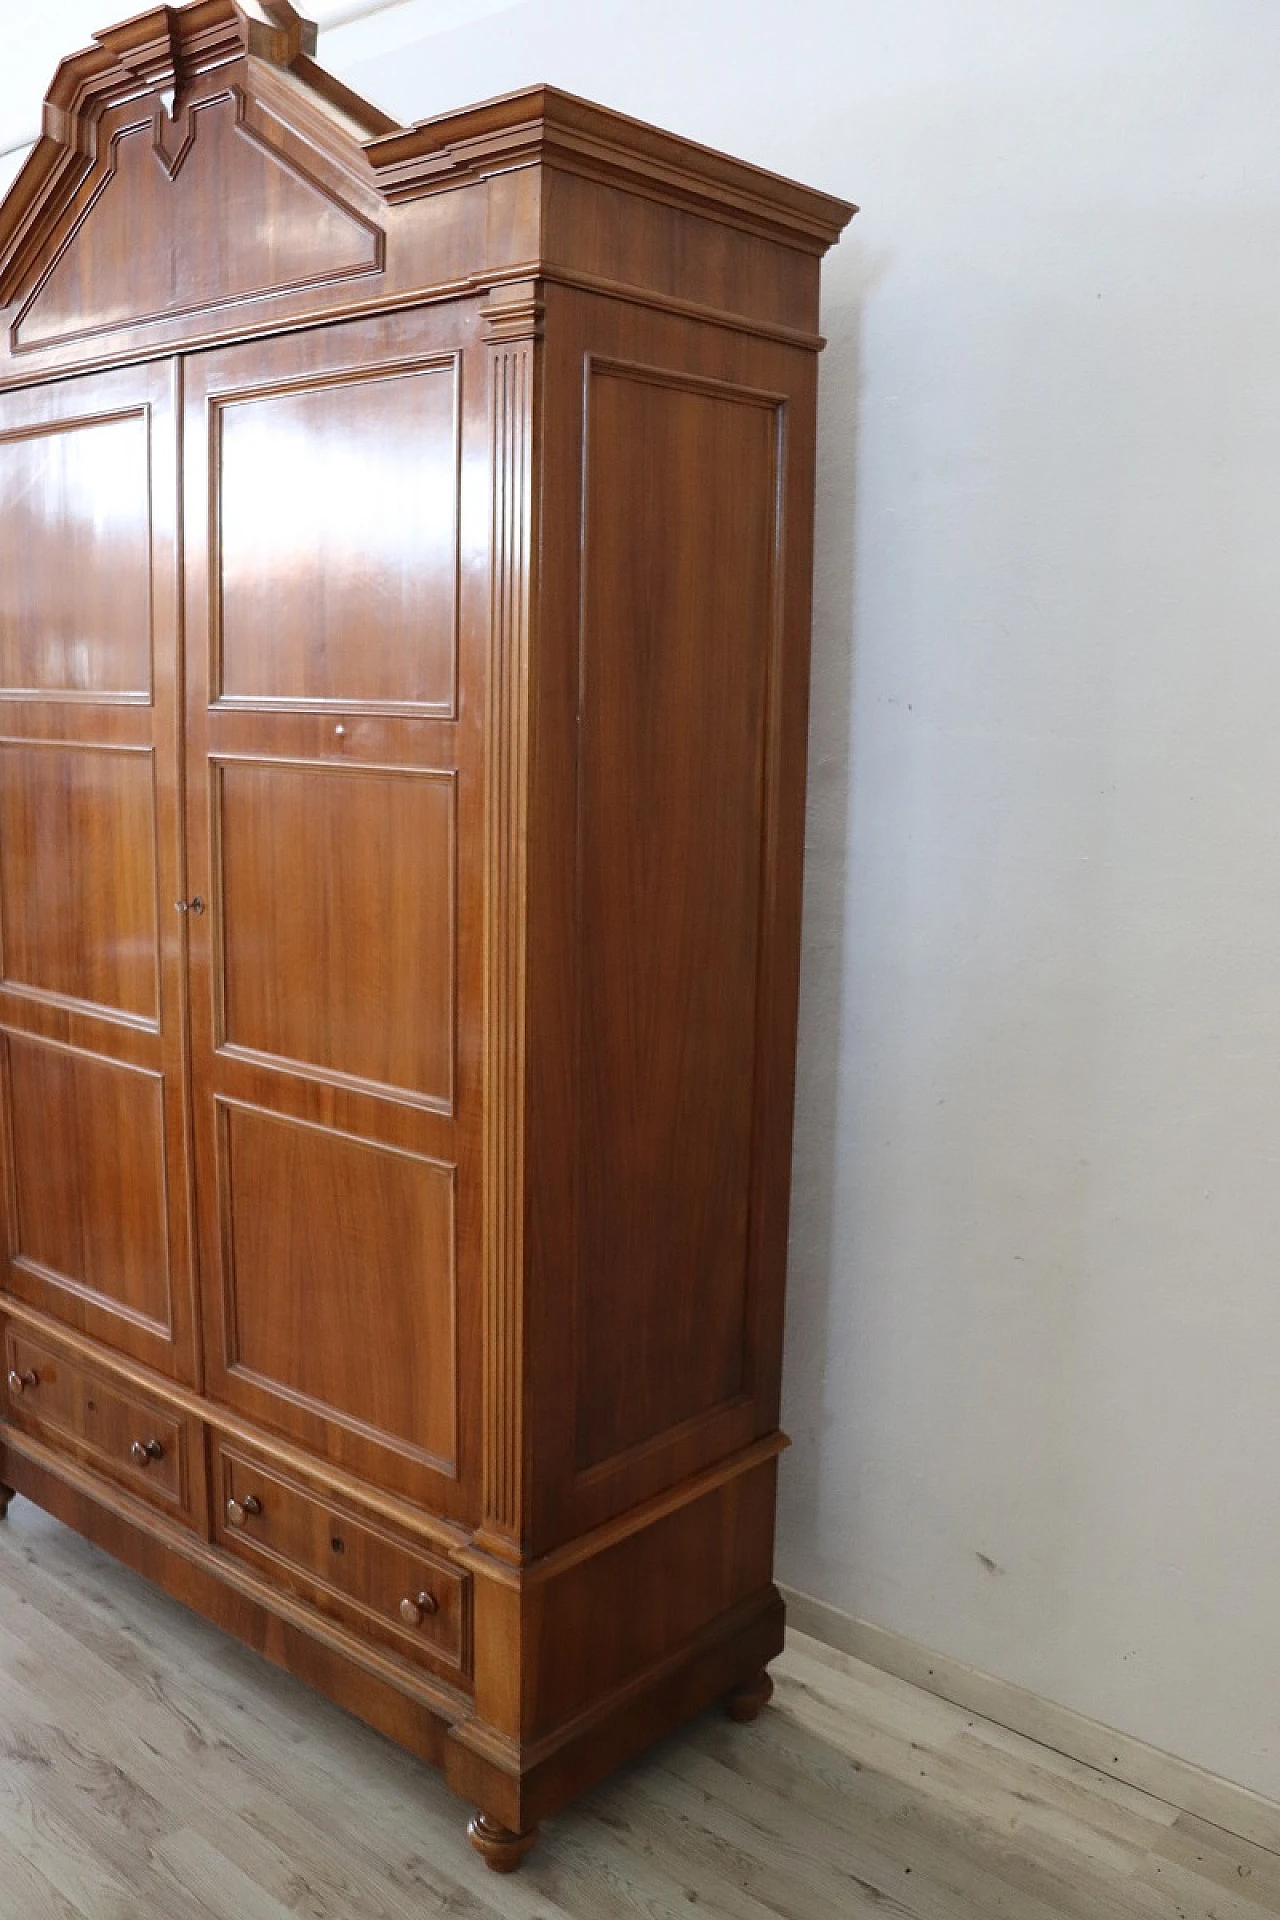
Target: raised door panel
[[92, 978], [75, 559], [334, 791], [330, 1241], [78, 878], [345, 879], [336, 511], [89, 1201]]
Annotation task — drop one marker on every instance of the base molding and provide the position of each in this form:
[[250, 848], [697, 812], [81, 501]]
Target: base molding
[[514, 1784], [1237, 1810]]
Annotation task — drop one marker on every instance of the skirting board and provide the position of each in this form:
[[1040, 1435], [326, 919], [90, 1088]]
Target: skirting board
[[1238, 1810]]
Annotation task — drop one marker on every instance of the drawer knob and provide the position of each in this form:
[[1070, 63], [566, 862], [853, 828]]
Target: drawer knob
[[143, 1452], [238, 1511], [19, 1382], [414, 1612]]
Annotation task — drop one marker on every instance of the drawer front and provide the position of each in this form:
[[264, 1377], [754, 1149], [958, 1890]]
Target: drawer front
[[135, 1440], [347, 1565]]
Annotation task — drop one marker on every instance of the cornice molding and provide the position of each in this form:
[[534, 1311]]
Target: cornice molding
[[544, 125], [159, 54]]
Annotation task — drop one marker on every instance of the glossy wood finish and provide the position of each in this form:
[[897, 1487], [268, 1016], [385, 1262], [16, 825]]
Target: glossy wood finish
[[103, 279], [334, 978], [337, 509], [499, 1848], [94, 1215], [348, 877], [150, 1449], [688, 393], [357, 1570], [79, 630], [677, 614], [338, 1268], [92, 974], [401, 810]]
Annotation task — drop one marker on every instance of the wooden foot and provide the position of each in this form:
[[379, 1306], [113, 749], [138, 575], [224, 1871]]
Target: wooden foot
[[501, 1850], [746, 1701], [6, 1495]]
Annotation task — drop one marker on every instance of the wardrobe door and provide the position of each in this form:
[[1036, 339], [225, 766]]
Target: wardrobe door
[[92, 1096], [333, 796]]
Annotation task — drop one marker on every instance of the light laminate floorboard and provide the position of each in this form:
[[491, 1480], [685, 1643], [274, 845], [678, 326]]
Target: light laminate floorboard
[[152, 1769]]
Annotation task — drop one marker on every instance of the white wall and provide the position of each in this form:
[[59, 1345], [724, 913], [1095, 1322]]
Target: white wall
[[1035, 1290]]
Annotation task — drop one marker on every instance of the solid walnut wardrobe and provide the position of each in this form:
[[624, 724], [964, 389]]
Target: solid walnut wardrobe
[[405, 549]]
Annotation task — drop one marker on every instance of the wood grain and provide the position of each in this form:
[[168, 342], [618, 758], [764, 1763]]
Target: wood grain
[[677, 617], [80, 490], [137, 1440], [78, 875], [344, 876], [338, 538], [340, 1281], [354, 1568], [106, 274], [401, 819], [335, 983], [87, 1144], [93, 1116]]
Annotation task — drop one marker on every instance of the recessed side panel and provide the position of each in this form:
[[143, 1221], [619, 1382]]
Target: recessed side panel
[[338, 1260], [87, 1177], [335, 921], [336, 565], [78, 876], [678, 618], [75, 559], [695, 1566]]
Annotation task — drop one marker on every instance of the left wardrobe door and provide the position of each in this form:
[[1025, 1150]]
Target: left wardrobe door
[[93, 908]]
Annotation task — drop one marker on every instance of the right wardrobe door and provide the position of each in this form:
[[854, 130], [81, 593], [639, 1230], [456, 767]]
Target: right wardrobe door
[[333, 798]]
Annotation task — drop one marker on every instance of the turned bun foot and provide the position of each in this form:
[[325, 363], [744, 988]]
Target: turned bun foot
[[6, 1495], [501, 1850], [745, 1702]]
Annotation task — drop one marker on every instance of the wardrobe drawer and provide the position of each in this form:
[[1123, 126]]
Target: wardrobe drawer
[[125, 1434], [347, 1565]]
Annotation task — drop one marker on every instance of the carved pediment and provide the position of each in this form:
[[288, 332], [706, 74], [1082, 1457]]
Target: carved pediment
[[191, 159]]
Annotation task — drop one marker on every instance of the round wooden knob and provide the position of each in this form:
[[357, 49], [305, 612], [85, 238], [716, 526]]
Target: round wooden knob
[[19, 1382], [414, 1612], [238, 1511], [143, 1452]]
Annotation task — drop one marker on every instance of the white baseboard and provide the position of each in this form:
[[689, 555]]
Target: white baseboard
[[1180, 1783]]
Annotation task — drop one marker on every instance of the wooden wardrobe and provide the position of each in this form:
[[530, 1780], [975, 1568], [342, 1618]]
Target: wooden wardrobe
[[405, 551]]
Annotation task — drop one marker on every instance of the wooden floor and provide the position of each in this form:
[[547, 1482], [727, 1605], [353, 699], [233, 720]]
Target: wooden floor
[[150, 1769]]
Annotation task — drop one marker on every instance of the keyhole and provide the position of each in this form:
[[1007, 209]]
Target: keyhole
[[339, 1546]]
